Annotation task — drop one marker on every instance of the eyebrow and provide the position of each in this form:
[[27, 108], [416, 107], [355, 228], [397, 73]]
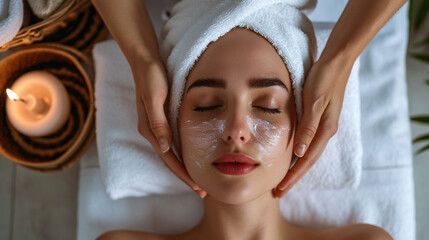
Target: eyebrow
[[253, 83], [267, 82]]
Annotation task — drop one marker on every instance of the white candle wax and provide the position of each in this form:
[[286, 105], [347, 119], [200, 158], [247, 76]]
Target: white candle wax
[[43, 106]]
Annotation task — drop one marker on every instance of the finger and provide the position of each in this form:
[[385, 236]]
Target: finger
[[169, 159], [326, 130], [178, 169], [201, 193], [154, 94], [308, 126], [154, 105], [142, 122], [301, 167]]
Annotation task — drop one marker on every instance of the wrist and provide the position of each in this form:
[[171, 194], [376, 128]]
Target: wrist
[[143, 57], [340, 59], [339, 66]]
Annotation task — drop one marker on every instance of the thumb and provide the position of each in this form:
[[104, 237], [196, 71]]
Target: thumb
[[308, 127], [158, 122]]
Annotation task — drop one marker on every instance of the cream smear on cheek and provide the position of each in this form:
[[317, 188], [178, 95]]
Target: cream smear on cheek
[[205, 138], [267, 138]]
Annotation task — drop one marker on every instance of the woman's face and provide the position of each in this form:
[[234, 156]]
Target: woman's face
[[238, 99]]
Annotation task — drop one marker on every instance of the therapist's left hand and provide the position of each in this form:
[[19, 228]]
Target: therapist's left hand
[[323, 96]]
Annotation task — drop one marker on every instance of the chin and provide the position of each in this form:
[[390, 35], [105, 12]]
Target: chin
[[237, 189], [235, 193]]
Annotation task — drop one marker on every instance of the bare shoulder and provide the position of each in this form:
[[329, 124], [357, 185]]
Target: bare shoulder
[[354, 232], [366, 231], [129, 235]]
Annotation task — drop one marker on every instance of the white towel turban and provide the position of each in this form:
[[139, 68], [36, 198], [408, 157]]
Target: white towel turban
[[194, 24]]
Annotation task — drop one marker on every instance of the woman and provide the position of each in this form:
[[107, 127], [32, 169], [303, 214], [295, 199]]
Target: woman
[[237, 109], [357, 26]]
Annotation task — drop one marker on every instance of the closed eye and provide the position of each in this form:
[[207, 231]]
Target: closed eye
[[209, 108], [205, 109], [268, 110]]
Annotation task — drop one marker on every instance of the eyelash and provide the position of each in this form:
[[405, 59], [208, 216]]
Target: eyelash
[[205, 109], [269, 110], [266, 110]]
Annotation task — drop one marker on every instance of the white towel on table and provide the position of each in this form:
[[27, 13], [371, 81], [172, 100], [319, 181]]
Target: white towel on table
[[11, 17], [130, 167]]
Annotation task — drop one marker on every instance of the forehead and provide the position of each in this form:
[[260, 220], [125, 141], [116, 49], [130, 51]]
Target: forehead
[[240, 54]]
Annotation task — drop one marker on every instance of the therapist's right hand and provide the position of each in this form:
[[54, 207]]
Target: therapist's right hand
[[150, 80]]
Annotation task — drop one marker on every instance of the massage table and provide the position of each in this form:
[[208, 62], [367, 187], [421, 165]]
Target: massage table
[[385, 196]]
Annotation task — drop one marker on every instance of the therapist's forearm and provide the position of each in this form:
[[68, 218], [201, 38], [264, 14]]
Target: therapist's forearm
[[357, 26], [129, 23]]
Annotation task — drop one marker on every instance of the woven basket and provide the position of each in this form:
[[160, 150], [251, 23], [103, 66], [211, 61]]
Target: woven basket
[[76, 23], [63, 148]]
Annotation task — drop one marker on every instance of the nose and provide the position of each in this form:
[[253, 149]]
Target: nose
[[236, 129]]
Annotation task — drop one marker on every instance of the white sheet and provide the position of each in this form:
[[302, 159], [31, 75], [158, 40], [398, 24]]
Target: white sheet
[[385, 196]]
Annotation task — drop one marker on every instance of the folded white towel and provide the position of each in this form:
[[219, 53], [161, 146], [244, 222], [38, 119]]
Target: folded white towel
[[130, 167], [11, 17], [44, 8]]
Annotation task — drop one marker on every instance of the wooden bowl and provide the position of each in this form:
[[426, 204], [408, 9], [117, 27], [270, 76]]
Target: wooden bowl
[[63, 148]]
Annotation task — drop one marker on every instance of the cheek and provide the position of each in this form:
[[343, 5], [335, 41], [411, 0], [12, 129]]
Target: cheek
[[274, 149], [272, 141], [200, 141]]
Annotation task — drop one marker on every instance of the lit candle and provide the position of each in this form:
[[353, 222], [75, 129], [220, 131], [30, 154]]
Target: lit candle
[[37, 104]]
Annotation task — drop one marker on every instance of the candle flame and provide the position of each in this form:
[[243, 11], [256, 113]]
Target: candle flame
[[11, 94]]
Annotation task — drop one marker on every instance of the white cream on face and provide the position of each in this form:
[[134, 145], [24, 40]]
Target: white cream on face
[[205, 138], [267, 137]]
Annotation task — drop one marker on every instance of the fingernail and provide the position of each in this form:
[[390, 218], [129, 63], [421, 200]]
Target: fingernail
[[196, 188], [163, 143], [283, 187], [202, 194], [300, 149], [278, 193]]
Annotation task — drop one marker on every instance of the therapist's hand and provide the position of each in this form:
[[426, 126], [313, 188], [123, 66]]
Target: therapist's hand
[[151, 92], [326, 82], [323, 95]]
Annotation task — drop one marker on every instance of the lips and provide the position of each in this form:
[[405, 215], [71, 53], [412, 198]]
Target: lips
[[235, 164]]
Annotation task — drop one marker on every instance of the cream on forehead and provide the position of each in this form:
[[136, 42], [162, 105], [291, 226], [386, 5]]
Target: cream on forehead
[[206, 137]]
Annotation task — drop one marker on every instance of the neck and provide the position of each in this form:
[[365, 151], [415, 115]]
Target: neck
[[258, 219]]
